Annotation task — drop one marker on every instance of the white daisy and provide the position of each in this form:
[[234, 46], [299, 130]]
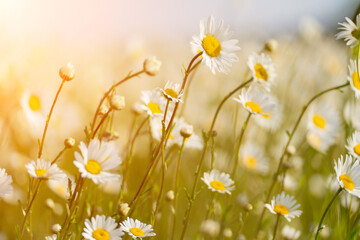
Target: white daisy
[[262, 69], [172, 92], [284, 205], [216, 44], [353, 77], [61, 188], [348, 174], [97, 160], [153, 102], [353, 144], [324, 120], [290, 233], [44, 170], [218, 182], [5, 183], [320, 142], [101, 228], [352, 113], [137, 229], [350, 32], [52, 237], [273, 120], [254, 159], [256, 101]]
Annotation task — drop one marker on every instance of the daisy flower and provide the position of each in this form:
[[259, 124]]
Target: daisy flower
[[5, 183], [320, 142], [290, 233], [284, 205], [348, 174], [353, 144], [44, 170], [97, 160], [256, 101], [350, 31], [353, 77], [262, 69], [324, 120], [272, 120], [52, 237], [61, 188], [352, 113], [172, 92], [216, 46], [218, 182], [137, 229], [153, 102], [101, 228], [253, 158]]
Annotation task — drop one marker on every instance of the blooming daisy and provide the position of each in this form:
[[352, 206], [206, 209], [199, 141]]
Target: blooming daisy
[[101, 228], [218, 182], [324, 120], [272, 120], [216, 46], [153, 102], [5, 183], [97, 160], [284, 205], [353, 144], [137, 229], [44, 170], [320, 142], [350, 31], [253, 158], [61, 188], [348, 174], [262, 69], [256, 101], [172, 92], [353, 77]]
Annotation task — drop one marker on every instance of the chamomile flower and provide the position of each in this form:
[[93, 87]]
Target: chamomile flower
[[97, 160], [352, 113], [353, 144], [172, 92], [348, 174], [324, 120], [262, 69], [272, 120], [320, 142], [353, 77], [256, 101], [61, 188], [5, 183], [153, 102], [284, 205], [216, 46], [253, 158], [218, 182], [44, 170], [350, 31], [52, 237], [137, 229], [101, 228]]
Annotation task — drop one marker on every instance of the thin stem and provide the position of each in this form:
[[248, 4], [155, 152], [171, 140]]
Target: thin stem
[[48, 119], [101, 122], [276, 226], [291, 134], [59, 155], [239, 145], [326, 210]]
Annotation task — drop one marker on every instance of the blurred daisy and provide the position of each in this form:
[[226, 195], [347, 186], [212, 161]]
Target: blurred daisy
[[217, 46], [348, 174], [320, 142], [352, 113], [324, 119], [290, 233], [172, 92], [349, 201], [353, 77], [218, 182], [272, 120], [284, 205], [44, 170], [101, 228], [5, 183], [194, 141], [256, 101], [61, 188], [253, 158], [262, 69], [52, 237], [137, 229], [97, 160], [353, 144], [350, 32], [153, 102]]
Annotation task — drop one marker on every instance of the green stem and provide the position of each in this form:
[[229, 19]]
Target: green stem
[[276, 226]]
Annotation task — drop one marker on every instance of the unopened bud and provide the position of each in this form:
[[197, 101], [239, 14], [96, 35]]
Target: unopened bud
[[117, 102], [227, 233], [291, 150], [152, 66], [67, 72], [248, 207], [287, 165], [69, 142], [50, 203], [169, 196], [103, 109], [56, 228], [124, 209], [271, 45], [186, 131], [210, 228]]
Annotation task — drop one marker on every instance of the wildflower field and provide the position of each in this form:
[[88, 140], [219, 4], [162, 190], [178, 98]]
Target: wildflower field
[[209, 137]]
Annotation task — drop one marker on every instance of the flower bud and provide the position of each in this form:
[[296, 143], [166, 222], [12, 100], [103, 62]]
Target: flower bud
[[152, 66], [103, 109], [69, 142], [169, 196], [117, 102], [271, 45], [210, 228], [227, 233], [56, 228], [50, 203], [124, 209], [67, 72], [291, 150], [186, 131]]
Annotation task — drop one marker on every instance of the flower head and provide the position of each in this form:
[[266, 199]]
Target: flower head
[[44, 170], [284, 205], [218, 182], [324, 120], [67, 72], [348, 174], [152, 66], [137, 229], [102, 228], [350, 31], [153, 103], [262, 69], [5, 183], [353, 144], [253, 158], [353, 77], [172, 92]]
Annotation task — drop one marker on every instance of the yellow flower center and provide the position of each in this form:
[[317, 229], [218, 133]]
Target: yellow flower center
[[171, 93], [355, 80], [357, 149], [211, 46], [34, 103], [347, 181], [260, 72], [137, 231], [101, 234], [217, 185], [250, 162], [255, 108], [319, 121], [154, 108], [266, 116], [40, 172], [281, 209], [93, 167]]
